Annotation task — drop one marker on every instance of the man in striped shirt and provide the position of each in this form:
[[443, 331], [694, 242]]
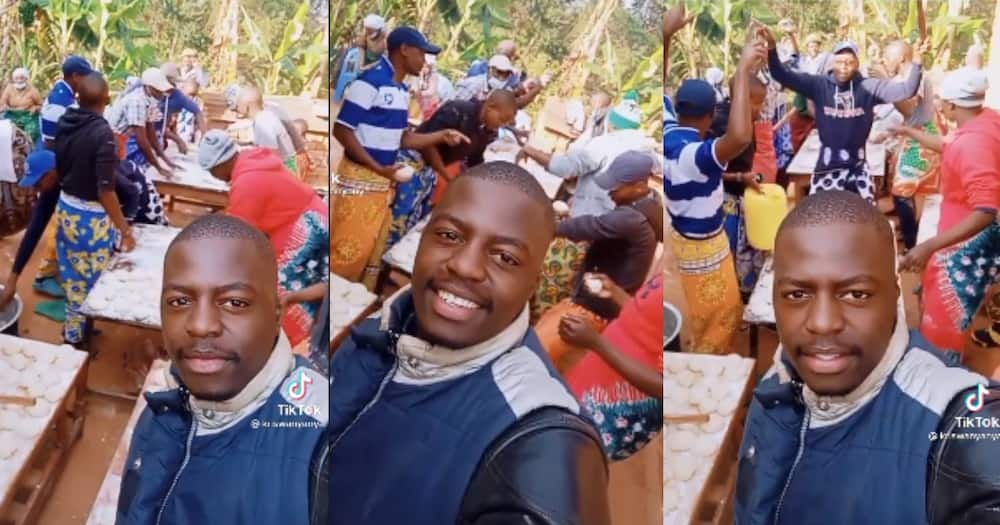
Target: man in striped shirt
[[693, 186], [62, 97], [372, 127]]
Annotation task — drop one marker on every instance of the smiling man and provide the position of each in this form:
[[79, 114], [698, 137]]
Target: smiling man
[[445, 409], [242, 415], [852, 423]]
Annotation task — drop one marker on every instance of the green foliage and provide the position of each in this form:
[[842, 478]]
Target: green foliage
[[629, 56], [125, 37], [705, 45]]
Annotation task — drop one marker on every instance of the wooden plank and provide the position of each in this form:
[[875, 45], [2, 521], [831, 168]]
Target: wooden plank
[[31, 487]]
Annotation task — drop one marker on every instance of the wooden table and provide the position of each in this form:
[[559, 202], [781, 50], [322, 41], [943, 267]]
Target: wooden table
[[803, 165], [106, 504], [136, 276], [59, 373], [190, 183], [350, 303], [708, 497]]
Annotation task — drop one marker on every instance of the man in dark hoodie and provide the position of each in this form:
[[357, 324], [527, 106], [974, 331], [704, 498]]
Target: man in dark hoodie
[[845, 101], [623, 244], [90, 218]]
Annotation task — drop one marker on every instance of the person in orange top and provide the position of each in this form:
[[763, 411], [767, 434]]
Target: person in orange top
[[264, 193], [620, 382]]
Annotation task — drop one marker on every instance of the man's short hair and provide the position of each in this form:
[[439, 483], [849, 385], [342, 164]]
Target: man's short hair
[[513, 176], [836, 207], [227, 227]]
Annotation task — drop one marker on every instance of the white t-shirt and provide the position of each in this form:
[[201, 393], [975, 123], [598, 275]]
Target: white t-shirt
[[270, 132]]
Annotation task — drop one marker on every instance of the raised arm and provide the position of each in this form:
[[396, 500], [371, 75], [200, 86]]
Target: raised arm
[[889, 91], [739, 133]]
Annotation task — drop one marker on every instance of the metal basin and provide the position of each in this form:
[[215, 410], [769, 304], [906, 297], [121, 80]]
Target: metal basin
[[10, 315]]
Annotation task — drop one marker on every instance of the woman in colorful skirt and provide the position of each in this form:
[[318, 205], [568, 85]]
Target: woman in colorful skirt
[[962, 262], [89, 215], [269, 197], [620, 380]]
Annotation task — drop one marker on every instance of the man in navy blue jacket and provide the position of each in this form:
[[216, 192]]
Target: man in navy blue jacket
[[860, 421], [232, 439], [845, 103], [446, 409]]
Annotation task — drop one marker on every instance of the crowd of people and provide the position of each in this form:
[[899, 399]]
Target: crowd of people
[[529, 323], [857, 406]]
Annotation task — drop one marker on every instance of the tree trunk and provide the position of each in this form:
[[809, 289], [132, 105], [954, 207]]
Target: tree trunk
[[426, 9], [993, 66], [954, 9], [584, 50], [456, 33], [225, 39]]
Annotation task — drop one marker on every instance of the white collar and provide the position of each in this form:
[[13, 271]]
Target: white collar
[[829, 410], [216, 416], [422, 363]]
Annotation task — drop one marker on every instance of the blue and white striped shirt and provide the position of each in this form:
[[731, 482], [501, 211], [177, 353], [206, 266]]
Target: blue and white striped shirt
[[377, 109], [693, 181], [59, 100]]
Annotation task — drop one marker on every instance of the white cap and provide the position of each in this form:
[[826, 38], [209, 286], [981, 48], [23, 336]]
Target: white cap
[[374, 22], [501, 62], [155, 79], [965, 88], [714, 76], [975, 49]]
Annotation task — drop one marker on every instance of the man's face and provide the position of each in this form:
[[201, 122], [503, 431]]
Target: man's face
[[845, 65], [974, 60], [630, 192], [224, 171], [155, 93], [220, 314], [495, 116], [189, 60], [812, 48], [375, 41], [835, 296], [893, 61], [502, 76], [478, 262], [414, 59]]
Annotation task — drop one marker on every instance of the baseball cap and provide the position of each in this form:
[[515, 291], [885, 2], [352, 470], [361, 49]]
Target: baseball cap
[[39, 163], [501, 63], [172, 72], [627, 168], [374, 22], [76, 65], [846, 46], [695, 98], [409, 36], [155, 79], [965, 88]]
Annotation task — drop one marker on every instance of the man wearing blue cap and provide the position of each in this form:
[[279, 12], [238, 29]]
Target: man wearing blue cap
[[62, 96], [693, 185], [623, 244], [372, 126], [845, 103]]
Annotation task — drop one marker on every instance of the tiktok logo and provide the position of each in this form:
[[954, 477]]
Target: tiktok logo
[[297, 389], [974, 401]]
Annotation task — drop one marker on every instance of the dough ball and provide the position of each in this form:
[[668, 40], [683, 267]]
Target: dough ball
[[685, 465], [706, 405], [404, 174], [675, 366], [715, 423], [678, 395], [681, 440], [560, 207], [705, 448], [686, 378]]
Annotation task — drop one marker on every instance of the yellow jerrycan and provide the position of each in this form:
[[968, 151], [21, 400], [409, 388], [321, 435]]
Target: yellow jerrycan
[[764, 213]]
